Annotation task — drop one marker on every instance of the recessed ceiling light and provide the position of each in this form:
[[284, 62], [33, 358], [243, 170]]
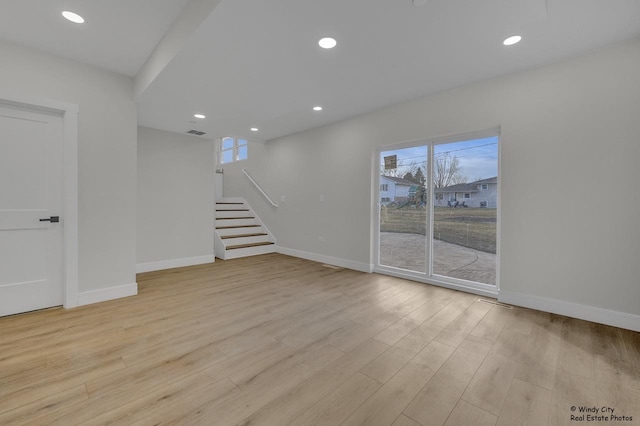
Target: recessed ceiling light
[[317, 108], [327, 43], [199, 116], [73, 17], [254, 129], [512, 40]]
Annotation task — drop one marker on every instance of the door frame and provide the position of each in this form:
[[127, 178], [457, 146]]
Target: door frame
[[69, 212], [428, 277]]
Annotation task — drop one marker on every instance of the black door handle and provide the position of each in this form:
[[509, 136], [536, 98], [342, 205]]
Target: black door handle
[[52, 219]]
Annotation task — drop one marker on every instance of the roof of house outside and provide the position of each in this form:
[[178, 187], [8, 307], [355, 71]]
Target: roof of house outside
[[400, 181], [487, 180], [467, 187]]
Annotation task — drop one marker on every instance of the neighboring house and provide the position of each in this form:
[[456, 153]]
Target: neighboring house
[[481, 193], [394, 189]]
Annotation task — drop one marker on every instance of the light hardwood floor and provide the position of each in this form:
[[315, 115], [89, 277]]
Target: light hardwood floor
[[275, 340]]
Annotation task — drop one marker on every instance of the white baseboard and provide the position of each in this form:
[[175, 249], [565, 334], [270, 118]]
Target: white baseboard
[[335, 261], [574, 310], [104, 294], [174, 263]]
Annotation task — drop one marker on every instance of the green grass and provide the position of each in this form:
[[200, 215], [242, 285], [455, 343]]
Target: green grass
[[468, 227]]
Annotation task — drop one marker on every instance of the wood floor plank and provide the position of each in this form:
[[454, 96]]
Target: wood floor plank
[[571, 390], [458, 330], [576, 356], [32, 413], [465, 414], [351, 337], [156, 372], [177, 398], [391, 399], [389, 363], [19, 395], [526, 405], [491, 325], [396, 331], [334, 408], [403, 420], [290, 405], [488, 388], [275, 381], [435, 402], [542, 353]]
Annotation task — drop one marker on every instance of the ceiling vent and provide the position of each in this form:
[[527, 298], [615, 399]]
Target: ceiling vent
[[196, 132]]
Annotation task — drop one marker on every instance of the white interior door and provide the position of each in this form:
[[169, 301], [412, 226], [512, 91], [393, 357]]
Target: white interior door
[[31, 190]]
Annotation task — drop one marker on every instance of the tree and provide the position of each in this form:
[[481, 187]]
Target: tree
[[447, 171], [418, 176], [415, 175]]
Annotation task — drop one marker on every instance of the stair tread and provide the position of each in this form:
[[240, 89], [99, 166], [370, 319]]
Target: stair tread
[[237, 226], [239, 246], [260, 234], [232, 210]]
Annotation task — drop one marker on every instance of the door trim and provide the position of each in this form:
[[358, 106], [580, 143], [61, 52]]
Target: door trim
[[70, 186]]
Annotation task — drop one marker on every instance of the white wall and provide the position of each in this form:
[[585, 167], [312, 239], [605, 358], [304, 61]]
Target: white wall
[[176, 204], [107, 155], [569, 135]]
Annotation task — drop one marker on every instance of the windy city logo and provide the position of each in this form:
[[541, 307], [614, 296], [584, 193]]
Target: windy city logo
[[597, 414]]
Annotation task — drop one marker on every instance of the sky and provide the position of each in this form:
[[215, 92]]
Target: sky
[[478, 157]]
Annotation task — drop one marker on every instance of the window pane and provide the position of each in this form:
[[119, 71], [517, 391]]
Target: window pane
[[242, 152], [465, 218], [242, 142], [227, 143], [227, 156], [403, 209]]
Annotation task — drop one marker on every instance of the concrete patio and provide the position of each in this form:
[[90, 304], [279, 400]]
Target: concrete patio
[[407, 251]]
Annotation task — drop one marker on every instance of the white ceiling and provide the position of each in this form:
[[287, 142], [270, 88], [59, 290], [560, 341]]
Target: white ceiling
[[256, 63], [118, 35]]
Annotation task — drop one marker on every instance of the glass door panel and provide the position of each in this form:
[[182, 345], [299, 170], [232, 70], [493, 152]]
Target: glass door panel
[[402, 198], [465, 193]]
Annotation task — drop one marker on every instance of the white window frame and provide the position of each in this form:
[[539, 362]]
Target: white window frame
[[237, 144], [384, 187], [484, 186]]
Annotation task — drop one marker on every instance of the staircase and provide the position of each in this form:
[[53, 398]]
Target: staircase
[[239, 232]]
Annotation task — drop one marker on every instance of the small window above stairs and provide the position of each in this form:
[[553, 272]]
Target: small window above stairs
[[239, 231]]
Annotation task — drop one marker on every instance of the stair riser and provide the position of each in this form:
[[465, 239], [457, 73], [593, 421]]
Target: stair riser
[[230, 207], [232, 214], [250, 251], [230, 200], [235, 222], [245, 240], [239, 231]]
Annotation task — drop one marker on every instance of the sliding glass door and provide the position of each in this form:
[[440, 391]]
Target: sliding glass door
[[438, 210]]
